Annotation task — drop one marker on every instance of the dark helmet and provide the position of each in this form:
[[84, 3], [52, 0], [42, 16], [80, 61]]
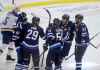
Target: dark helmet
[[79, 16], [65, 16], [22, 17], [35, 19], [56, 22], [23, 14]]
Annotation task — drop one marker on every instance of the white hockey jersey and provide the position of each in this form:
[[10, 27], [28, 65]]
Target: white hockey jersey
[[9, 22]]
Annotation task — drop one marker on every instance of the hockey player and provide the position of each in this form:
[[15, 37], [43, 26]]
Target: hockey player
[[68, 33], [54, 41], [7, 32], [81, 39], [20, 25], [19, 34], [30, 46]]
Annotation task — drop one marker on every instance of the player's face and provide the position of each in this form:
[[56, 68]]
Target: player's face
[[64, 20], [57, 23], [37, 23], [78, 20]]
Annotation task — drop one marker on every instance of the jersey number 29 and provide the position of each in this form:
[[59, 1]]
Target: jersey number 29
[[32, 34]]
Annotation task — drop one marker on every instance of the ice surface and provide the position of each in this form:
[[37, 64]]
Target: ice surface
[[91, 58]]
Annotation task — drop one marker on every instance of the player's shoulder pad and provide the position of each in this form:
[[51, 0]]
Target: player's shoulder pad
[[27, 24], [39, 28]]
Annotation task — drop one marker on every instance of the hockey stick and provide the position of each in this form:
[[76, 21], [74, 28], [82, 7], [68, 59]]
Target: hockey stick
[[89, 43], [48, 14], [69, 56], [93, 38], [42, 61], [42, 58], [39, 57], [41, 54], [93, 45], [74, 53], [49, 24], [95, 35], [98, 45]]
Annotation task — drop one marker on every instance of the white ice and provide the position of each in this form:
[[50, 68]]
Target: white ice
[[92, 19]]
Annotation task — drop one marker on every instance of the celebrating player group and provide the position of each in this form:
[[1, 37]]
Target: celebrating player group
[[58, 40]]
